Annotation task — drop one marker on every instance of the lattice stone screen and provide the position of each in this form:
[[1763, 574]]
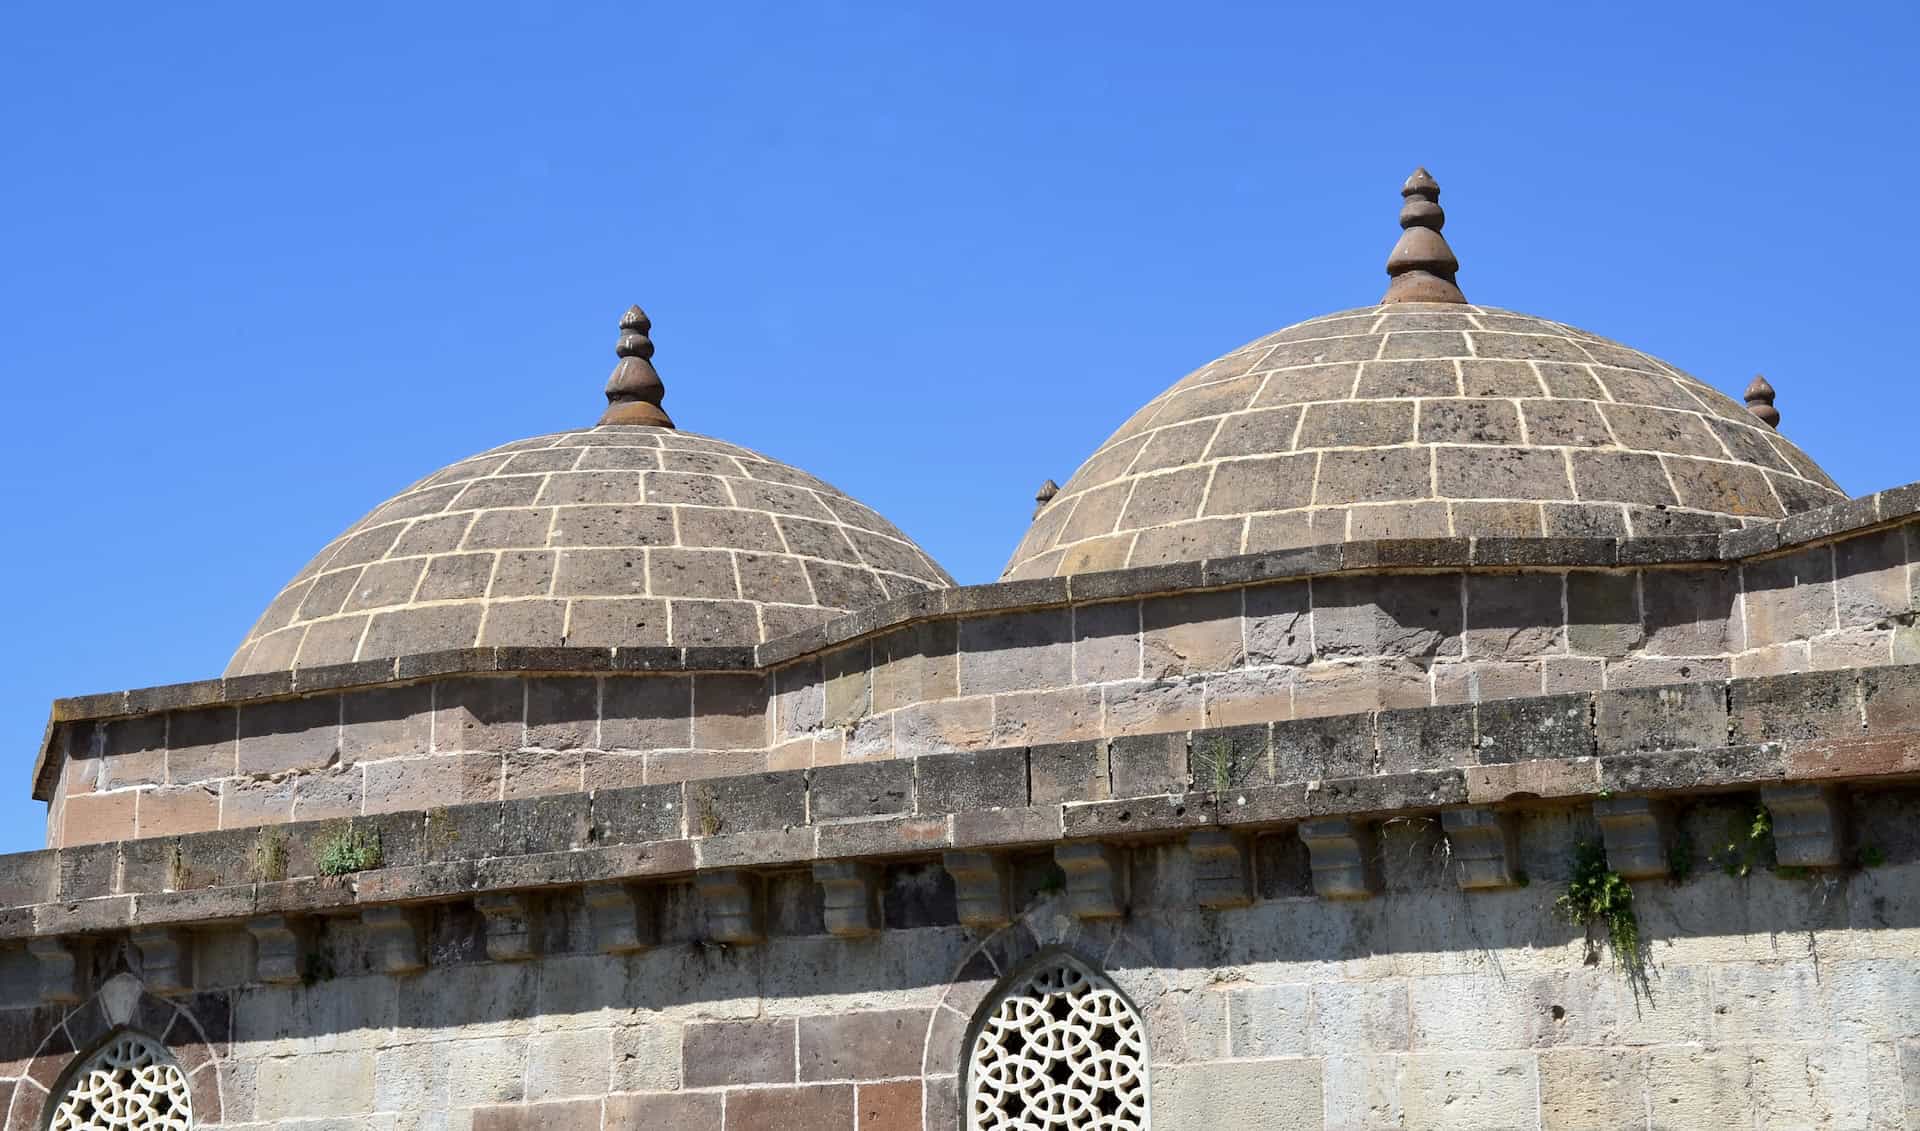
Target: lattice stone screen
[[130, 1084], [1058, 1050]]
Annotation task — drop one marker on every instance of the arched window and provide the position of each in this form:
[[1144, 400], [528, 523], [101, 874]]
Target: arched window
[[1059, 1048], [129, 1083]]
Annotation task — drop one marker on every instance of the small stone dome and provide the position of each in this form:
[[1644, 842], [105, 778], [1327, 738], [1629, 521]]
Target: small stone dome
[[622, 534], [1423, 416]]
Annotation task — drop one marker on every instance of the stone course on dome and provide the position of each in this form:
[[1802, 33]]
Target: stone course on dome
[[614, 535], [1415, 419]]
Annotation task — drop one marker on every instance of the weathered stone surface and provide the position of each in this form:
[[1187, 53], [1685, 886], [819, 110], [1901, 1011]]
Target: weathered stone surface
[[1344, 858], [851, 889], [1096, 879], [1482, 847], [1809, 828], [1637, 832], [395, 938], [1222, 869], [731, 905], [621, 918], [980, 888]]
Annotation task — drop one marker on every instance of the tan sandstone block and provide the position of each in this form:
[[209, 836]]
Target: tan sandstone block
[[1592, 1089], [1273, 1095]]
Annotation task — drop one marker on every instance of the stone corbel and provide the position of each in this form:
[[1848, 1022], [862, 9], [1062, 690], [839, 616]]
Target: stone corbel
[[1221, 875], [513, 925], [979, 888], [59, 972], [1482, 845], [851, 893], [1636, 831], [1096, 879], [279, 949], [730, 901], [1342, 855], [1809, 825], [166, 960], [622, 918], [396, 938]]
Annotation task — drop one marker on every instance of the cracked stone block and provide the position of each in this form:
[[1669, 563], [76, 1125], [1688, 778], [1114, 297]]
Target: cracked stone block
[[512, 925], [1341, 854], [979, 888], [621, 918], [59, 973], [278, 953], [1636, 831], [166, 960], [1808, 825], [1221, 875], [1482, 846], [730, 903], [1096, 879], [394, 939], [851, 906]]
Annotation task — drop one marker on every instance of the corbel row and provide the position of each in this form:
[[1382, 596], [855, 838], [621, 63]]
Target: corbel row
[[1808, 829]]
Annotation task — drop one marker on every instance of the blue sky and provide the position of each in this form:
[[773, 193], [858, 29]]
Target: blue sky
[[261, 266]]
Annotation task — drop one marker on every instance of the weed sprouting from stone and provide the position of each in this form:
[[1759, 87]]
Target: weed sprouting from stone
[[352, 849], [1599, 897], [1748, 842]]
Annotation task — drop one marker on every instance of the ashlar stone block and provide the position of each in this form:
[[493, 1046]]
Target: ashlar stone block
[[851, 906], [1809, 825], [395, 939], [1221, 873], [731, 905], [1636, 831], [512, 925], [1096, 879], [279, 953], [166, 959], [1343, 857], [1482, 845], [979, 888], [621, 918]]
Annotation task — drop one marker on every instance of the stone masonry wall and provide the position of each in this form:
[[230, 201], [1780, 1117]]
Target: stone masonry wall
[[1342, 629], [1775, 999]]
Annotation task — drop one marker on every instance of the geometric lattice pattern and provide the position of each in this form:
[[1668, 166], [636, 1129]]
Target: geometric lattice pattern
[[1413, 420], [129, 1085], [1059, 1050]]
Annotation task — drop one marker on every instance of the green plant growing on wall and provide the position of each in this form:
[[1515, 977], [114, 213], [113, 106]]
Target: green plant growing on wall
[[351, 849], [1599, 900], [1217, 766], [1748, 842]]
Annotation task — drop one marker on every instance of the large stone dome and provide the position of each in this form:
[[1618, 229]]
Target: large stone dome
[[1418, 418], [623, 534]]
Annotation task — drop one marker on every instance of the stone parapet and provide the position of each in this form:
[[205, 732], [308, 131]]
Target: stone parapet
[[1824, 732], [1420, 626]]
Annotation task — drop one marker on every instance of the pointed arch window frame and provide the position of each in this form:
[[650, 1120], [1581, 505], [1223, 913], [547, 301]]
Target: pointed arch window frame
[[1021, 982]]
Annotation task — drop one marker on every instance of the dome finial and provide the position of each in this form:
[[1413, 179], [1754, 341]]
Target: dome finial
[[1044, 496], [634, 392], [1422, 266], [1760, 402]]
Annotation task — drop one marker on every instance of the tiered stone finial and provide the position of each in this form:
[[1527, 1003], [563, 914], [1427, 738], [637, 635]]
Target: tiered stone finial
[[634, 392], [1044, 496], [1760, 402], [1422, 266]]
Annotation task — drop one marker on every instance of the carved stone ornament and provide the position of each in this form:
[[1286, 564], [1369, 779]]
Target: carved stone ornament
[[130, 1084], [1058, 1050]]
